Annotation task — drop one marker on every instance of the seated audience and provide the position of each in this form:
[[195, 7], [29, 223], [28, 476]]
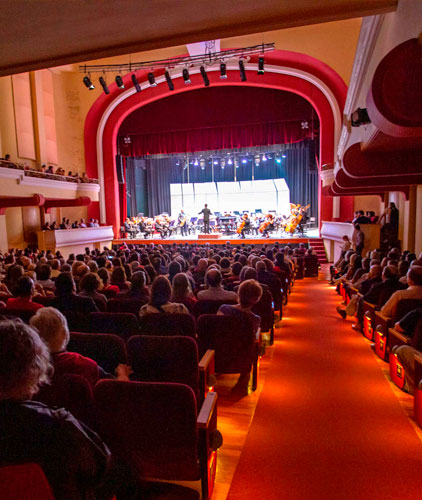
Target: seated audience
[[25, 291], [66, 299], [105, 278], [138, 289], [74, 459], [89, 286], [182, 292], [414, 291], [160, 299], [52, 328], [215, 290]]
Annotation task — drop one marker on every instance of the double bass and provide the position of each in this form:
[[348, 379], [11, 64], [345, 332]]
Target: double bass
[[242, 225], [295, 218]]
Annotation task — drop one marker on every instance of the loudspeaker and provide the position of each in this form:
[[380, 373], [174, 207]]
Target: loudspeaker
[[120, 170]]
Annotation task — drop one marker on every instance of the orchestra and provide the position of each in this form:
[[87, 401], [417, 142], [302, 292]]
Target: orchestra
[[256, 224]]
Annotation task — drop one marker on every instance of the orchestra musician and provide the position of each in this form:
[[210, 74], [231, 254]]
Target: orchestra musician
[[183, 222], [244, 226], [145, 227], [267, 226], [160, 228], [129, 228]]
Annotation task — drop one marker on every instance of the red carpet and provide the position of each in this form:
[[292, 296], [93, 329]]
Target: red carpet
[[327, 425]]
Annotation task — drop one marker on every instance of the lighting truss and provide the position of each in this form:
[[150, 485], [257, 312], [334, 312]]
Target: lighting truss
[[174, 62]]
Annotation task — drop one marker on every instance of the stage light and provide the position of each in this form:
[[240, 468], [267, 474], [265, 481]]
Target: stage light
[[202, 163], [277, 159], [169, 80], [196, 163], [257, 160], [261, 66], [230, 162], [242, 71], [236, 163], [104, 85], [136, 83], [244, 160], [223, 69], [178, 163], [88, 83], [151, 79], [119, 82], [204, 76], [264, 157], [186, 165], [186, 77], [222, 163], [284, 155], [215, 162]]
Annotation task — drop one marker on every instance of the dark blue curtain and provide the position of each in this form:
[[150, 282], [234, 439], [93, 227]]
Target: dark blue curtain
[[151, 188]]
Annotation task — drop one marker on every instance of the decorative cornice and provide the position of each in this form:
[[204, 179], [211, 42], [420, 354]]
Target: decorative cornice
[[368, 36]]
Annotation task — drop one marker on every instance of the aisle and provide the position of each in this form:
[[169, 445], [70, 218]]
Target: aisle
[[328, 425]]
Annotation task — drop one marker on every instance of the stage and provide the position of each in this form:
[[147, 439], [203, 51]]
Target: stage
[[220, 239]]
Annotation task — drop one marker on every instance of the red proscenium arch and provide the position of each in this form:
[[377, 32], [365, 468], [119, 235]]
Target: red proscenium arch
[[295, 84]]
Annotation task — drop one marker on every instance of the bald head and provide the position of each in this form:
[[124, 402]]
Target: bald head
[[376, 271], [213, 277]]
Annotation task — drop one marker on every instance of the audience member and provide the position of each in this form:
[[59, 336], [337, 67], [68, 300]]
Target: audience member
[[160, 299]]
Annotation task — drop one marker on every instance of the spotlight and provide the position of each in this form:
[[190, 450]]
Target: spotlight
[[178, 163], [230, 162], [284, 155], [261, 66], [186, 165], [151, 80], [88, 83], [222, 163], [223, 70], [215, 162], [186, 78], [204, 76], [257, 160], [104, 85], [264, 157], [244, 160], [202, 163], [242, 71], [169, 80], [236, 163], [278, 159], [136, 83], [196, 163], [119, 82]]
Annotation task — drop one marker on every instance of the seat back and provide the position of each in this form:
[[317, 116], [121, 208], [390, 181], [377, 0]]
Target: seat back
[[24, 481], [125, 325], [264, 309], [210, 306], [151, 426], [110, 294], [405, 306], [23, 314], [71, 392], [45, 301], [164, 359], [119, 304], [106, 349], [167, 324], [232, 340]]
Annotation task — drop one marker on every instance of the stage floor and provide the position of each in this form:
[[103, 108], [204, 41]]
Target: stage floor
[[234, 239]]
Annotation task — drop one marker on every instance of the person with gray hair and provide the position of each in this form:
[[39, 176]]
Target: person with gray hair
[[73, 458], [52, 327], [215, 290]]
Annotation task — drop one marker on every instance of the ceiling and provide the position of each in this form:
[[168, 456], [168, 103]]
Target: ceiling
[[48, 33]]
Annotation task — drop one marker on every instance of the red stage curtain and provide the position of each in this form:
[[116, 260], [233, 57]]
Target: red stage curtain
[[234, 136]]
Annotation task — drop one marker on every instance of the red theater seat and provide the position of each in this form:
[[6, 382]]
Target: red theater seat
[[397, 373], [23, 314], [171, 359], [125, 305], [264, 309], [24, 482], [368, 320], [155, 428], [382, 325], [210, 306], [167, 324], [417, 399], [235, 344], [125, 325], [106, 349]]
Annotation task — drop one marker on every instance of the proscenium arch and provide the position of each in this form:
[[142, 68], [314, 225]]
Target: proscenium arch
[[289, 71]]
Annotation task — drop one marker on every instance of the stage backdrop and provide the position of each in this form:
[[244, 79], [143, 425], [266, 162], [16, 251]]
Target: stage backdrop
[[148, 180]]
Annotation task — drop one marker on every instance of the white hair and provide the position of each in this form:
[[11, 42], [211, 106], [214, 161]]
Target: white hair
[[51, 326]]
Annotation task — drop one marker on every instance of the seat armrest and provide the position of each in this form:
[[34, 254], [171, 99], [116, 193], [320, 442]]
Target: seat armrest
[[382, 317], [209, 406], [369, 305], [206, 368], [397, 338]]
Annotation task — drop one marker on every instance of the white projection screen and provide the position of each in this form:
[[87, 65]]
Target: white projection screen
[[264, 195]]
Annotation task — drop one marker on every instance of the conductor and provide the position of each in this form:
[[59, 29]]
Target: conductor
[[206, 212]]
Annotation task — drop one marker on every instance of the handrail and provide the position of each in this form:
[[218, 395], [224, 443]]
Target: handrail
[[44, 175]]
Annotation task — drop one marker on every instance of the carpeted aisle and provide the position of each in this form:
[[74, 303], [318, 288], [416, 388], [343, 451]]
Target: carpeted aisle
[[327, 425]]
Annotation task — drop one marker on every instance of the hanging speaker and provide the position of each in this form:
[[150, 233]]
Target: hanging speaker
[[119, 170]]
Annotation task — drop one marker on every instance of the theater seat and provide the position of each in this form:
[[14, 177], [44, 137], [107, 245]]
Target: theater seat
[[264, 309], [106, 349], [368, 320], [171, 359], [23, 314], [125, 325], [119, 304], [24, 482], [167, 324], [210, 306], [155, 428], [235, 344], [382, 325], [397, 373]]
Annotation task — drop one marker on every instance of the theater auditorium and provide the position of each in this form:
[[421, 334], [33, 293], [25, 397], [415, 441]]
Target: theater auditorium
[[211, 250]]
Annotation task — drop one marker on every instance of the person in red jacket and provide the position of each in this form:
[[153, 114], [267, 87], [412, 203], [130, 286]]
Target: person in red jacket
[[25, 290]]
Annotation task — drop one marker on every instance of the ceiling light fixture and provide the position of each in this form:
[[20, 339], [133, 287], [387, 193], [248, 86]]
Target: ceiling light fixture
[[169, 80], [119, 82], [88, 83], [223, 71], [136, 83], [261, 70], [204, 76], [104, 85], [151, 79], [186, 77], [242, 71]]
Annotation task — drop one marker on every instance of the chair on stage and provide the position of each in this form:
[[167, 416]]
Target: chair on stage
[[125, 325], [167, 324], [171, 359], [158, 431], [24, 482], [235, 344], [107, 349]]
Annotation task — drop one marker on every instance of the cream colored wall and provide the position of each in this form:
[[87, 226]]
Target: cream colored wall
[[368, 203]]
